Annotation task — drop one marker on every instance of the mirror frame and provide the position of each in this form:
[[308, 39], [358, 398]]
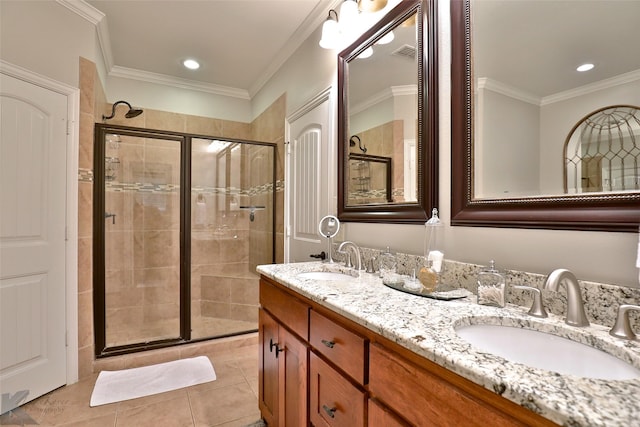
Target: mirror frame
[[427, 140], [604, 212]]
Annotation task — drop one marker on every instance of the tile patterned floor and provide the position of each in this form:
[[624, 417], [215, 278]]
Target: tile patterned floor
[[229, 401]]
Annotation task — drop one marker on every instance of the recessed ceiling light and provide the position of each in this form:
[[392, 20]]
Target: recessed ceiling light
[[191, 64], [585, 67]]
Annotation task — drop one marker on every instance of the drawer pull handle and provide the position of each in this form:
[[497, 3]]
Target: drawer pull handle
[[330, 411], [329, 344]]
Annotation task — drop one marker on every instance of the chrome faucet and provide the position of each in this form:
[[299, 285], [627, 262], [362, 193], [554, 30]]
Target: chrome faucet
[[575, 307], [355, 248]]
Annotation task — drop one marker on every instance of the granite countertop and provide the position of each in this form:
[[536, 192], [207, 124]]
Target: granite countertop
[[427, 327]]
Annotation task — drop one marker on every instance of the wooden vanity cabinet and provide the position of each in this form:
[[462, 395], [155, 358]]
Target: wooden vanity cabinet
[[283, 359], [325, 370]]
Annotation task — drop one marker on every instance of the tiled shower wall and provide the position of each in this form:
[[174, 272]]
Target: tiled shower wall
[[268, 127]]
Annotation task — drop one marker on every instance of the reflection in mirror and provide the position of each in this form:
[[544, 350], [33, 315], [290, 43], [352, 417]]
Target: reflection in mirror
[[602, 153], [369, 179], [514, 109], [529, 93], [387, 120], [383, 112]]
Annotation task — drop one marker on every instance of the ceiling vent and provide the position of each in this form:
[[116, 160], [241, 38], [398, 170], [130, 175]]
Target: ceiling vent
[[405, 51]]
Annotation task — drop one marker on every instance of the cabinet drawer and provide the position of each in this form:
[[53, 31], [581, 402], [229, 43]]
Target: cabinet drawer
[[290, 311], [424, 398], [342, 347], [333, 400]]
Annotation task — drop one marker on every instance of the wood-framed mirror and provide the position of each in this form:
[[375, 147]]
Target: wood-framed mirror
[[548, 206], [388, 102]]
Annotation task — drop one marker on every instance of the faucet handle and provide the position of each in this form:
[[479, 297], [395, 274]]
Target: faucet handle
[[622, 327], [370, 266], [537, 308], [347, 259]]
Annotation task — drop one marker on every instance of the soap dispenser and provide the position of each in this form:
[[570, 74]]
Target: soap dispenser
[[491, 286]]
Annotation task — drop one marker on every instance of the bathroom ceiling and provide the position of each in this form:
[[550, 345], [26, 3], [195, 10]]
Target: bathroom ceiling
[[536, 45], [239, 43]]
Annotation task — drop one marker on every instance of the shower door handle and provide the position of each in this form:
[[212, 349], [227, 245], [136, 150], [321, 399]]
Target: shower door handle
[[108, 215]]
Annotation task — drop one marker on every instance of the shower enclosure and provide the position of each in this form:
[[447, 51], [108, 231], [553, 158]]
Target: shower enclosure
[[180, 223]]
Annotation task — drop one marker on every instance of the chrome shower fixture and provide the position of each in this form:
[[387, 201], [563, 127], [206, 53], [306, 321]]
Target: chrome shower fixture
[[133, 112]]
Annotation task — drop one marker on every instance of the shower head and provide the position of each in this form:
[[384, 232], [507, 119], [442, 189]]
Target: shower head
[[133, 112]]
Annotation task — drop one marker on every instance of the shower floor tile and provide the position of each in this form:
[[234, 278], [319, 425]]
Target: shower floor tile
[[230, 401]]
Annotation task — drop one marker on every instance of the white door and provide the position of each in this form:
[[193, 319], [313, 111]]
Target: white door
[[33, 157], [308, 180]]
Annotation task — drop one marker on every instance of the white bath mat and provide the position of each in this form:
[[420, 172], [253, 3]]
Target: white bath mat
[[115, 386]]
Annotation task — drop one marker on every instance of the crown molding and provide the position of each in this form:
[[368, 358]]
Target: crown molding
[[592, 87], [308, 26], [163, 79], [83, 9], [387, 93], [507, 90]]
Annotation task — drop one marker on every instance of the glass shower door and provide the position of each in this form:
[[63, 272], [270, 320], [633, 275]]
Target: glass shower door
[[141, 239]]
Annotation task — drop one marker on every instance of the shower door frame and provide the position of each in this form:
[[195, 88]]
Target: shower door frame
[[99, 234]]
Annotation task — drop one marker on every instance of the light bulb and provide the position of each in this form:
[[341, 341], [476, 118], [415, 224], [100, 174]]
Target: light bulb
[[191, 64], [585, 67]]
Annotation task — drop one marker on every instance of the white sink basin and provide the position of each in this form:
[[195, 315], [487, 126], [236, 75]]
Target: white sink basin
[[324, 275], [546, 351]]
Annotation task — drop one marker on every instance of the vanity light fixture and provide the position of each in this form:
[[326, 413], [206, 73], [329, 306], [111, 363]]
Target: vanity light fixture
[[330, 32], [371, 5], [191, 64], [585, 67], [338, 33]]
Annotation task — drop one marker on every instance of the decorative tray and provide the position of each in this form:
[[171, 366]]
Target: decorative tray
[[439, 295]]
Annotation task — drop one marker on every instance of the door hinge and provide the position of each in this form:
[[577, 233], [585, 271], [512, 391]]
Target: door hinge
[[66, 338], [288, 231], [288, 145], [68, 127]]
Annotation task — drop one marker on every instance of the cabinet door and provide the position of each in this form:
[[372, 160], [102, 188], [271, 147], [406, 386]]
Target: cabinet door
[[268, 375], [333, 400], [293, 367], [379, 416]]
